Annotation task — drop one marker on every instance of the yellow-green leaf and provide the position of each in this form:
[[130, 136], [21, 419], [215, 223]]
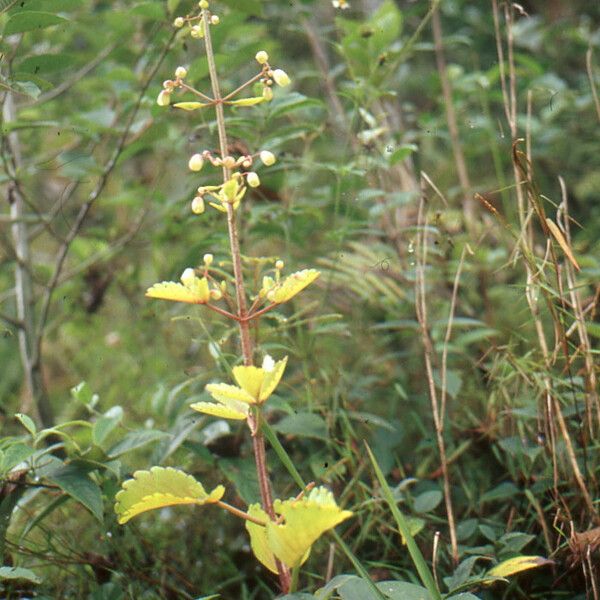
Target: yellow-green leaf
[[271, 378], [223, 392], [247, 101], [190, 105], [249, 379], [258, 538], [517, 564], [303, 522], [198, 293], [161, 487], [292, 285], [220, 410]]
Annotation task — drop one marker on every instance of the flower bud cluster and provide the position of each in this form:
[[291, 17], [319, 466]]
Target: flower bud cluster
[[270, 76], [169, 85]]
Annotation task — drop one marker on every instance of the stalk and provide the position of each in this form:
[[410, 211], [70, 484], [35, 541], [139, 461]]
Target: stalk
[[258, 440]]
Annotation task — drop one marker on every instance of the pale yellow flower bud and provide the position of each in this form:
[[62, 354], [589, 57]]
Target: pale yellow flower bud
[[267, 93], [208, 259], [223, 286], [181, 72], [253, 179], [281, 77], [261, 57], [214, 20], [197, 31], [196, 162], [267, 158], [178, 22], [198, 205], [216, 294], [203, 4], [164, 98], [279, 265], [229, 162], [247, 163]]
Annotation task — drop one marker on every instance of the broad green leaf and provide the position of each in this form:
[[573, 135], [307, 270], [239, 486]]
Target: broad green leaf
[[134, 440], [31, 21], [15, 455], [106, 424], [8, 573], [302, 425], [75, 481], [27, 422], [191, 105], [357, 590], [427, 501], [517, 564], [402, 590], [46, 63], [160, 487]]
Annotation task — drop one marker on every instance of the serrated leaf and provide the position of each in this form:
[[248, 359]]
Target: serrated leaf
[[160, 487], [190, 105], [7, 573], [30, 21], [292, 285], [221, 410], [517, 564], [75, 481], [178, 292]]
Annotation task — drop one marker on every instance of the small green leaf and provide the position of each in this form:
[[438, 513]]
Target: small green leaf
[[19, 573], [27, 422], [427, 501], [303, 425], [75, 481], [134, 440], [190, 105], [14, 455], [160, 487], [517, 564], [30, 21], [106, 424]]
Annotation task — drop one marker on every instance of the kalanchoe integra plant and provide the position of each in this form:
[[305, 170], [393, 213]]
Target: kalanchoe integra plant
[[281, 531]]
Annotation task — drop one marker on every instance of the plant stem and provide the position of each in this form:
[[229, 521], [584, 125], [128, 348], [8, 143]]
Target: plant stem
[[258, 441]]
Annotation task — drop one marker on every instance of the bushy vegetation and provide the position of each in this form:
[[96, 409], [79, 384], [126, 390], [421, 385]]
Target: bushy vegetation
[[438, 164]]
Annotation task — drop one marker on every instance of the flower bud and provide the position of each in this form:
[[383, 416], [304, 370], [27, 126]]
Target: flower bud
[[267, 158], [203, 4], [168, 84], [208, 259], [247, 163], [268, 364], [261, 57], [178, 22], [279, 265], [223, 286], [188, 276], [267, 93], [164, 98], [198, 205], [214, 20], [281, 77], [197, 31], [196, 162], [216, 294], [229, 162], [180, 72], [253, 179]]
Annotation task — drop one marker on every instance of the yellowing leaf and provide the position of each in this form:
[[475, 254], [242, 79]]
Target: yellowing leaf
[[517, 564], [304, 521], [247, 101], [221, 410], [562, 242], [161, 487], [194, 292], [258, 538], [190, 105], [260, 383], [292, 285], [223, 392]]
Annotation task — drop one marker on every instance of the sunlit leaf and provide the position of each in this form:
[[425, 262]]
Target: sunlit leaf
[[517, 564], [247, 101], [190, 105], [161, 487], [292, 285], [258, 538], [259, 383], [225, 411], [178, 292]]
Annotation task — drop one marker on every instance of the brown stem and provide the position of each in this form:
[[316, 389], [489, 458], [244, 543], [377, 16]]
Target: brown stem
[[258, 441]]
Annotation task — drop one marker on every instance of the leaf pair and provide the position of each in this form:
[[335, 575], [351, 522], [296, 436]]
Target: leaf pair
[[255, 385]]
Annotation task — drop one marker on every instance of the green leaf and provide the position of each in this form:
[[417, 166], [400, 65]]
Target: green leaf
[[135, 440], [75, 481], [46, 63], [106, 424], [517, 564], [14, 455], [31, 21], [19, 573], [160, 487], [249, 7], [402, 590], [150, 10], [357, 589], [303, 425], [401, 153], [427, 501], [27, 422]]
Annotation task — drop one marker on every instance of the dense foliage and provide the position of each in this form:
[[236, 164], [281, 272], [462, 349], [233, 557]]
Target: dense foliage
[[439, 163]]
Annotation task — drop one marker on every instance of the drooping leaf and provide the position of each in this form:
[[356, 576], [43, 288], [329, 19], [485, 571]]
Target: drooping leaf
[[135, 440], [517, 564], [160, 487], [76, 482]]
